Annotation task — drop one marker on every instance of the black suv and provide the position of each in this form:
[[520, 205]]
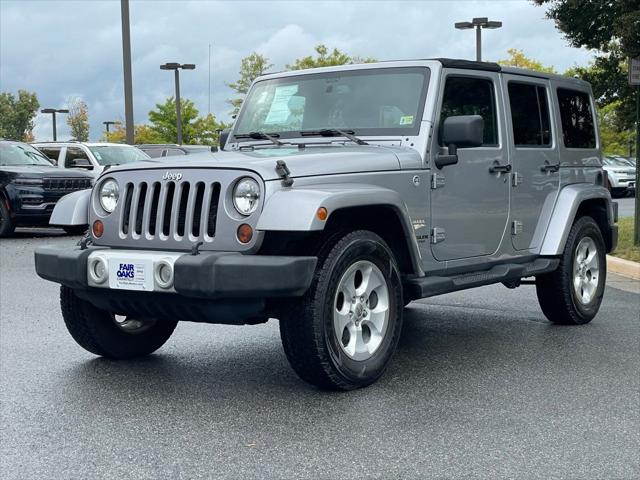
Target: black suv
[[30, 186]]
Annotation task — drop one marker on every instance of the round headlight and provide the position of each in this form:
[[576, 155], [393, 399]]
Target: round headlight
[[246, 195], [108, 195]]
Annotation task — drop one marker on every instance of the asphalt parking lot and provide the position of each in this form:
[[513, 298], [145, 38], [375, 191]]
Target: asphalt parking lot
[[481, 387]]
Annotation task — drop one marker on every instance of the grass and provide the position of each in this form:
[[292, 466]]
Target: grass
[[625, 248]]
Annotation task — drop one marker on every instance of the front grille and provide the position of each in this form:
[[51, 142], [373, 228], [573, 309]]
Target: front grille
[[65, 185], [170, 210]]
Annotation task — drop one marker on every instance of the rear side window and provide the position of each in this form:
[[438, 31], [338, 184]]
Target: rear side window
[[471, 96], [154, 152], [175, 151], [529, 115], [52, 153], [73, 154], [578, 129]]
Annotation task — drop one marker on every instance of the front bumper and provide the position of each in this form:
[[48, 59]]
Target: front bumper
[[219, 287]]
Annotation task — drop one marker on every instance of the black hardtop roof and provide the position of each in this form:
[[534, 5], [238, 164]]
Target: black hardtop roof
[[468, 64]]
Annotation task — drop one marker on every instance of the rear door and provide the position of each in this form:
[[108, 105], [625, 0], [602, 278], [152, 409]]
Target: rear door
[[469, 203], [535, 158]]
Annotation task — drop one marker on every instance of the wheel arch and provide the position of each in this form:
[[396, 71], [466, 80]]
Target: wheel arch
[[575, 201], [350, 207]]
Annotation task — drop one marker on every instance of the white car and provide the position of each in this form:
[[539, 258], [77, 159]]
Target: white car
[[90, 156], [621, 175]]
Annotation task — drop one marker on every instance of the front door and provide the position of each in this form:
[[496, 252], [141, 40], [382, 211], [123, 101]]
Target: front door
[[535, 159], [469, 202]]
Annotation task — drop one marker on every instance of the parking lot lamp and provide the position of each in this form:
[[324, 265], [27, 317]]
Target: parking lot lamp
[[176, 68], [478, 24], [108, 123], [53, 112]]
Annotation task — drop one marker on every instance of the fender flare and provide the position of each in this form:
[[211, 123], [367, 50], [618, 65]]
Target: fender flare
[[564, 213], [72, 209], [295, 210]]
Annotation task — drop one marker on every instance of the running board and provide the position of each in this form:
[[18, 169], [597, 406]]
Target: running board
[[429, 286]]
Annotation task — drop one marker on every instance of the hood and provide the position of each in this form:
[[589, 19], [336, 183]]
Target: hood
[[40, 171], [312, 160], [628, 170]]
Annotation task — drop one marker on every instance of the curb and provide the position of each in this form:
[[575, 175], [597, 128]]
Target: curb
[[623, 267]]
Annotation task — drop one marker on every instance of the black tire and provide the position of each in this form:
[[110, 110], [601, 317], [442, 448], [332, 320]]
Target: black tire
[[308, 336], [97, 331], [6, 224], [75, 229], [557, 294]]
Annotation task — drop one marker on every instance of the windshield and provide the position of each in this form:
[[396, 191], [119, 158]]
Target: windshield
[[117, 154], [381, 101], [21, 154], [616, 162]]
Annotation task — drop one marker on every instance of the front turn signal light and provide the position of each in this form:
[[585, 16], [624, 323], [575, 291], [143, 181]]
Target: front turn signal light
[[98, 228], [245, 233]]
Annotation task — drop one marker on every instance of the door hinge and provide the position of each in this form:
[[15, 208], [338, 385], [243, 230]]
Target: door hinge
[[437, 235], [437, 181], [516, 227], [516, 179]]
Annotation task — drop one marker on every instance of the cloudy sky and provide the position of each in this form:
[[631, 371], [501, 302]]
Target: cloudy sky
[[62, 49]]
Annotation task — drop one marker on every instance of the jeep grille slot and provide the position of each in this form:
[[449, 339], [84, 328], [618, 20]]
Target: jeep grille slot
[[212, 210], [126, 209], [170, 210]]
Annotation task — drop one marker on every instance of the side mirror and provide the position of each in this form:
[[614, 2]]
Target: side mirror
[[82, 163], [224, 136], [461, 131]]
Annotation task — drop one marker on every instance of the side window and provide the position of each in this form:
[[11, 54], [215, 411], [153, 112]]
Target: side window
[[175, 151], [529, 115], [471, 96], [51, 153], [578, 129], [73, 153], [154, 152]]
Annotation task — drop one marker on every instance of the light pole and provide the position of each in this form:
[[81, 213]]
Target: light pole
[[126, 68], [53, 112], [107, 123], [478, 24], [176, 68]]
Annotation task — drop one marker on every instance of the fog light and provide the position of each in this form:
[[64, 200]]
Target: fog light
[[98, 270], [245, 233], [164, 274], [98, 228]]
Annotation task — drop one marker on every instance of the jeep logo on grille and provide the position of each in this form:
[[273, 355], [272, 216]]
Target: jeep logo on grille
[[172, 176]]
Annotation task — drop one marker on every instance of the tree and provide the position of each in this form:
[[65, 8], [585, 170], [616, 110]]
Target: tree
[[207, 130], [78, 119], [326, 59], [17, 115], [142, 134], [518, 59], [614, 140], [598, 24], [251, 67], [163, 120]]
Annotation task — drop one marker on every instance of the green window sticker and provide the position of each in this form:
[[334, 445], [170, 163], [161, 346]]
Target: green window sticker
[[406, 120]]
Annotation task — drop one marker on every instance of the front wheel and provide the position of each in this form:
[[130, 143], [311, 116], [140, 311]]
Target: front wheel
[[6, 224], [344, 331], [108, 335], [571, 295]]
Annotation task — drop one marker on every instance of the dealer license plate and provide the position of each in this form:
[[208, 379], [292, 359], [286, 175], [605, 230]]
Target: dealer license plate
[[131, 274]]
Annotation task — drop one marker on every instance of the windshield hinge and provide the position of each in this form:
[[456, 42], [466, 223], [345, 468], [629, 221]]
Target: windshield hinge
[[283, 172]]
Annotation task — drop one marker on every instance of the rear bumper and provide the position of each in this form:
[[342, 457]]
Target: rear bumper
[[221, 287]]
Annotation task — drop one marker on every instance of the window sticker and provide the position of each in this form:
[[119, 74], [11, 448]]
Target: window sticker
[[97, 155], [279, 111], [406, 120]]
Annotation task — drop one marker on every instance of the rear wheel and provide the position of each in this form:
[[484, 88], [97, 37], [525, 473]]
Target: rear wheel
[[344, 331], [108, 335], [572, 294], [6, 224]]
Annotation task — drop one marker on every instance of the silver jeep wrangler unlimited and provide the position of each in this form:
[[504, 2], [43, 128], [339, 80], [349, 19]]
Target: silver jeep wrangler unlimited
[[340, 195]]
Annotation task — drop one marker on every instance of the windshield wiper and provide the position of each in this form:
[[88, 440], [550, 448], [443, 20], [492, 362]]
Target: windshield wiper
[[272, 137], [334, 132]]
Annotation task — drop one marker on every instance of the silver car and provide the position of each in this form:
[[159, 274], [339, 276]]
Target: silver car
[[621, 176], [340, 195]]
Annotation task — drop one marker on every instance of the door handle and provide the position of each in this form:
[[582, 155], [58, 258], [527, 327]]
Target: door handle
[[547, 167], [497, 168]]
